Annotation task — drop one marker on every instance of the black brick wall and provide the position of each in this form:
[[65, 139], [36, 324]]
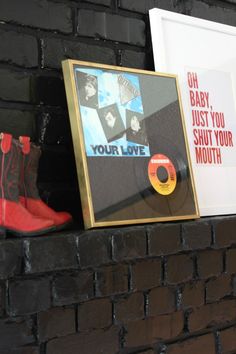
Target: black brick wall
[[153, 289], [126, 298]]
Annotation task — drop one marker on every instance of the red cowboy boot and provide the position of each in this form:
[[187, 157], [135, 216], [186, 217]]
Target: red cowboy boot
[[13, 216], [29, 195]]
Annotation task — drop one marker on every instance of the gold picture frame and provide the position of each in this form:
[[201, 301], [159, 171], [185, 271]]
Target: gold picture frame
[[130, 145]]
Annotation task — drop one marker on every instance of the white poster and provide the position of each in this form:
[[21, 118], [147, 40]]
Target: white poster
[[203, 55]]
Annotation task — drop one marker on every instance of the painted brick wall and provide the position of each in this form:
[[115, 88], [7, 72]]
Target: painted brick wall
[[144, 289], [153, 289]]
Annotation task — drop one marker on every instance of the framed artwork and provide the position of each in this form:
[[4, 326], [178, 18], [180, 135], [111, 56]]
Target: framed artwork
[[130, 145], [203, 55]]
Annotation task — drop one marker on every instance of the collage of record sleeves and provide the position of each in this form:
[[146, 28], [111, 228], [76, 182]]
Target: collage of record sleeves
[[112, 113]]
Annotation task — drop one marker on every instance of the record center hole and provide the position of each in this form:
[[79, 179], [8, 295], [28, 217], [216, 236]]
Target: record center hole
[[162, 174]]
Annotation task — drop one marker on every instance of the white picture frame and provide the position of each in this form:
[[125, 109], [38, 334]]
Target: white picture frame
[[203, 55]]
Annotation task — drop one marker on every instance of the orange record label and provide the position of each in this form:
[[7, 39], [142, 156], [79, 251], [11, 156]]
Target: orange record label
[[162, 174]]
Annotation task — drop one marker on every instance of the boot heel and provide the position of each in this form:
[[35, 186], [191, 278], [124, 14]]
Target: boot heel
[[2, 233]]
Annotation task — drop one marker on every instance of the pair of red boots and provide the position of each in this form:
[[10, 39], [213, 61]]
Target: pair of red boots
[[22, 212]]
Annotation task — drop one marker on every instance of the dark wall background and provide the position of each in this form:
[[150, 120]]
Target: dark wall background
[[35, 36], [168, 288]]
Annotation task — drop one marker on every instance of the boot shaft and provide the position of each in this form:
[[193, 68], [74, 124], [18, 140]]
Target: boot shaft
[[29, 168], [10, 162]]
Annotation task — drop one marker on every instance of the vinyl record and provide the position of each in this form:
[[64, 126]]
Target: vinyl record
[[162, 174], [166, 190]]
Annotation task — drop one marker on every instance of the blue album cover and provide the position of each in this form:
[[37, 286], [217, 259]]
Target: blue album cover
[[112, 113]]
